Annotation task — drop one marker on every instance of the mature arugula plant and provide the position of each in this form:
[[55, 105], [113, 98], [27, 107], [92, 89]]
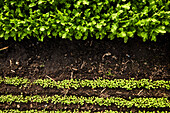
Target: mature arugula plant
[[81, 19]]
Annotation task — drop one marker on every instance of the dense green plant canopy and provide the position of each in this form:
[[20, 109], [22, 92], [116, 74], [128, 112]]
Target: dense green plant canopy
[[80, 19]]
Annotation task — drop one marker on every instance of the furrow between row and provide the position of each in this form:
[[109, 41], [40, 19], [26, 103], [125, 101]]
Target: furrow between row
[[85, 91]]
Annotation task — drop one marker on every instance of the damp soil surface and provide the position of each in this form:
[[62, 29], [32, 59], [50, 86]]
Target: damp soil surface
[[60, 59]]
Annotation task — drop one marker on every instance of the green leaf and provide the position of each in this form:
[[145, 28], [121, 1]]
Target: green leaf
[[94, 7], [130, 34], [154, 20], [99, 25], [101, 37], [67, 29], [122, 34], [13, 34], [114, 16], [153, 38], [97, 36], [40, 1], [97, 17], [84, 29], [145, 10], [121, 29], [6, 7], [160, 29], [78, 2], [23, 35], [114, 28], [126, 6], [64, 35], [167, 29], [78, 35], [7, 31], [15, 38], [6, 36], [32, 5], [85, 37], [93, 22], [59, 12], [166, 22], [63, 23], [111, 36], [54, 25], [125, 39], [144, 35], [126, 24], [54, 34], [1, 35], [48, 32], [91, 29], [119, 12], [42, 28], [85, 2], [108, 27], [78, 28], [12, 2], [42, 38]]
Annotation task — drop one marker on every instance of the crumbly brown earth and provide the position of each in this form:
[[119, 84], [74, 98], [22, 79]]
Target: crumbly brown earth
[[63, 59]]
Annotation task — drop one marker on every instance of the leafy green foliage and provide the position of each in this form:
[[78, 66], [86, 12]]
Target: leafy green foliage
[[82, 18], [119, 102], [16, 81], [74, 83]]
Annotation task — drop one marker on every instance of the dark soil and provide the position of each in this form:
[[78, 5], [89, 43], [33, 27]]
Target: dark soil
[[58, 106], [63, 59], [86, 91]]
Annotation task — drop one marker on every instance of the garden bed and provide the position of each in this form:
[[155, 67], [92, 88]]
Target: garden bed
[[58, 60]]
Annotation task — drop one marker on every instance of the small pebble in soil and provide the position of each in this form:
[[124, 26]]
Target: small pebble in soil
[[17, 63], [45, 105], [127, 55], [18, 106]]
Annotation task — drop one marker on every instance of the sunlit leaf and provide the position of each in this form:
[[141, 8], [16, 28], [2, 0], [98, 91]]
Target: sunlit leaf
[[42, 28]]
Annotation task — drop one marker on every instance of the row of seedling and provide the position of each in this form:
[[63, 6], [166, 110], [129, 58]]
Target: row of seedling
[[119, 102], [98, 83]]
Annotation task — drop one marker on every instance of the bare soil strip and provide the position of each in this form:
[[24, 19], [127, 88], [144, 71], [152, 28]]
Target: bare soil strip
[[59, 106], [86, 91]]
